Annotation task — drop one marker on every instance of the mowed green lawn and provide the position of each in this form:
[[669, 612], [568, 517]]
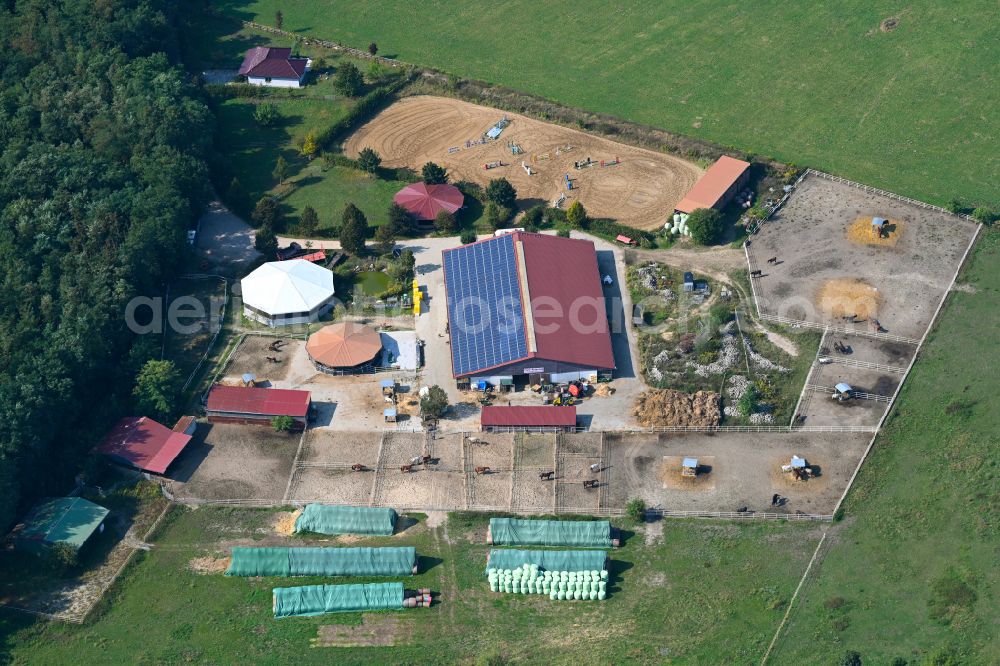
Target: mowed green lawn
[[913, 110], [708, 593], [252, 152], [912, 571]]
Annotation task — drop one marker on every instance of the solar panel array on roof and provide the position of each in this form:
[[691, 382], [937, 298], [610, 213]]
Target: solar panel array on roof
[[484, 305]]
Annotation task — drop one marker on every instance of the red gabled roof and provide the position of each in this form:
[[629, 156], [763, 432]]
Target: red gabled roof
[[528, 416], [143, 443], [564, 271], [258, 401], [713, 184], [272, 62]]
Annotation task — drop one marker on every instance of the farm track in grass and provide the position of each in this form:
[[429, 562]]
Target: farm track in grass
[[905, 109]]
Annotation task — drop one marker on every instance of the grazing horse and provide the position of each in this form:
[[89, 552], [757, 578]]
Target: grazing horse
[[754, 274], [545, 476], [482, 470], [358, 467], [772, 260], [406, 468], [590, 483]]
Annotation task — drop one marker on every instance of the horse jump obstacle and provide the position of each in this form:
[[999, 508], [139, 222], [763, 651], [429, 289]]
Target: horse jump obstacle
[[542, 156], [493, 165], [453, 149], [563, 149], [569, 183], [610, 163], [526, 168], [515, 149], [559, 202]]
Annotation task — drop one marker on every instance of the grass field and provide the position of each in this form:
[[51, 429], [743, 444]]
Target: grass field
[[912, 571], [909, 110], [707, 593]]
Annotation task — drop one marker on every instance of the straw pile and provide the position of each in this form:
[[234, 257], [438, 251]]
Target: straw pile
[[604, 390], [843, 297], [667, 407], [285, 522], [860, 232]]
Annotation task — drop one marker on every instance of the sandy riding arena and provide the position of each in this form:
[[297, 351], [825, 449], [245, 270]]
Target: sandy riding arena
[[641, 190]]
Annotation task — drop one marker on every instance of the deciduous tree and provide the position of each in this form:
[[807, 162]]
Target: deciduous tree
[[501, 192]]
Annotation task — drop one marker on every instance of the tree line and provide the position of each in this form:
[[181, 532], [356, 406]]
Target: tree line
[[103, 151]]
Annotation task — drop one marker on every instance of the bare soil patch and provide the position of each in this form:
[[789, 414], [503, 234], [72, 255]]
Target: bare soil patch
[[284, 523], [375, 630], [667, 407], [843, 297], [209, 565], [536, 450], [889, 24], [252, 357], [490, 491], [639, 191]]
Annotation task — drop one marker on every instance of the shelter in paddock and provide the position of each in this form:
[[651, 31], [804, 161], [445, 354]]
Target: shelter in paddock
[[526, 308], [424, 201], [328, 519], [497, 418], [249, 404], [528, 532], [717, 186], [59, 521], [551, 560], [274, 67], [310, 600], [142, 443], [280, 293], [345, 348], [398, 561]]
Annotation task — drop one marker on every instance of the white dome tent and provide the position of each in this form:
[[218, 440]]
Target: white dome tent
[[280, 293]]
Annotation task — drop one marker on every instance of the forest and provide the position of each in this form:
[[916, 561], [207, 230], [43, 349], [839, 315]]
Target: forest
[[104, 151]]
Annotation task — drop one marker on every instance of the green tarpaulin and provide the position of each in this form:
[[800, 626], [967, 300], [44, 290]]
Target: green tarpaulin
[[319, 599], [550, 560], [322, 561], [523, 532], [324, 519]]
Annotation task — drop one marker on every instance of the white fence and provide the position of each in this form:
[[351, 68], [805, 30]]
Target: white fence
[[866, 365], [875, 190], [844, 330]]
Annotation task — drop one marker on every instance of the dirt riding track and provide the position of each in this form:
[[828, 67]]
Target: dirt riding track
[[641, 191]]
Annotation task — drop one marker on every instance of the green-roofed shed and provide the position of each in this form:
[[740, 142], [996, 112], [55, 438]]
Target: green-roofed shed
[[61, 520]]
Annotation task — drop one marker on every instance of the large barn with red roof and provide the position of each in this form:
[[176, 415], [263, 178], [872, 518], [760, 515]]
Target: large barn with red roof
[[526, 308]]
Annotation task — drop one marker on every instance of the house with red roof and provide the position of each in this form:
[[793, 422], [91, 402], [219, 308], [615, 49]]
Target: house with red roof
[[253, 405], [142, 443], [275, 67], [526, 308]]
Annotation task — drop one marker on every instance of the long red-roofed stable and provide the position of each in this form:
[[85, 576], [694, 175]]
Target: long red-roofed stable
[[424, 201], [141, 442], [250, 404], [498, 418], [717, 186], [527, 304]]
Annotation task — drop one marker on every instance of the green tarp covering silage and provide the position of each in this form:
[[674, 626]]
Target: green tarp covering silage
[[325, 519], [322, 561], [550, 560], [319, 599], [524, 532]]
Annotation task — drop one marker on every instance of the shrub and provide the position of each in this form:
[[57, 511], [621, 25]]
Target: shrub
[[282, 423], [444, 222], [353, 230], [851, 658], [348, 80], [266, 114], [576, 215], [705, 225], [266, 213], [563, 233], [435, 403], [308, 222], [496, 216], [385, 240], [636, 510], [433, 174], [984, 215], [61, 558], [400, 221], [533, 217], [501, 192], [369, 160], [468, 236]]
